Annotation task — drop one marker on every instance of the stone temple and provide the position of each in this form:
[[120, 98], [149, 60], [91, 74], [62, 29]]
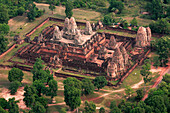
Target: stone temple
[[78, 48]]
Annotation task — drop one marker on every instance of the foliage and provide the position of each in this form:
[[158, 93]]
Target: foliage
[[140, 94], [162, 48], [42, 101], [53, 87], [134, 22], [100, 82], [160, 26], [155, 8], [3, 43], [4, 16], [4, 28], [102, 110], [156, 61], [90, 107], [72, 92], [72, 96], [29, 95], [113, 104], [2, 110], [40, 87], [38, 108], [107, 20], [15, 74], [3, 103], [137, 110], [166, 78], [116, 4], [21, 10], [129, 91], [87, 86], [14, 87], [69, 8], [12, 106], [52, 7], [115, 110]]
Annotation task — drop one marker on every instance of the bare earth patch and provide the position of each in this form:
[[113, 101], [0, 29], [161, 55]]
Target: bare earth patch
[[18, 96]]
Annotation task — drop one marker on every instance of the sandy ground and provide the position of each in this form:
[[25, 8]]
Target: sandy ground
[[18, 96]]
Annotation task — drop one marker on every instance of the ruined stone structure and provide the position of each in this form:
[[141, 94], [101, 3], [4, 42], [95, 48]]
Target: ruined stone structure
[[78, 48], [125, 55], [143, 37], [112, 43]]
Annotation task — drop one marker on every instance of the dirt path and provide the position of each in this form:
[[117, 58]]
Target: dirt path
[[164, 70]]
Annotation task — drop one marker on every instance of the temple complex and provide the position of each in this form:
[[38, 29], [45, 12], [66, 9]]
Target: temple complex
[[78, 48]]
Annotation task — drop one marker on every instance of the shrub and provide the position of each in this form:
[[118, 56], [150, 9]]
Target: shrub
[[14, 86]]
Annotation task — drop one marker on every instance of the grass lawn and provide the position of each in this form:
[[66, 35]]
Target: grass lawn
[[132, 78], [118, 33], [56, 108], [79, 75]]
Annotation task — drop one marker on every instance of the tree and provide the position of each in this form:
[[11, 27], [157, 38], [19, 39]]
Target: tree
[[137, 110], [113, 104], [38, 108], [29, 95], [2, 110], [100, 82], [90, 107], [115, 110], [15, 74], [155, 8], [21, 10], [134, 22], [3, 43], [87, 86], [53, 87], [14, 87], [107, 20], [69, 8], [162, 48], [4, 17], [41, 75], [72, 82], [32, 12], [139, 94], [129, 91], [145, 72], [38, 65], [40, 87], [102, 110], [12, 106], [42, 101], [166, 78], [156, 102], [116, 4], [52, 7], [160, 26], [4, 28], [3, 103], [156, 61], [72, 96]]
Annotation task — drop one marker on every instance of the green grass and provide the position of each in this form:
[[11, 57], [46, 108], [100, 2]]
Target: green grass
[[78, 75], [118, 33], [49, 23], [11, 53], [132, 78]]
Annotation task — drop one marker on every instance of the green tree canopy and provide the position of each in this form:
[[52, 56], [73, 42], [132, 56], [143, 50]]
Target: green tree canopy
[[116, 4], [69, 8], [38, 108], [113, 104], [40, 87], [100, 82], [90, 107], [3, 103], [21, 10], [87, 86], [4, 28], [3, 43], [14, 87], [4, 17], [15, 74], [134, 22], [12, 106], [102, 110], [162, 48], [2, 110], [53, 87]]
